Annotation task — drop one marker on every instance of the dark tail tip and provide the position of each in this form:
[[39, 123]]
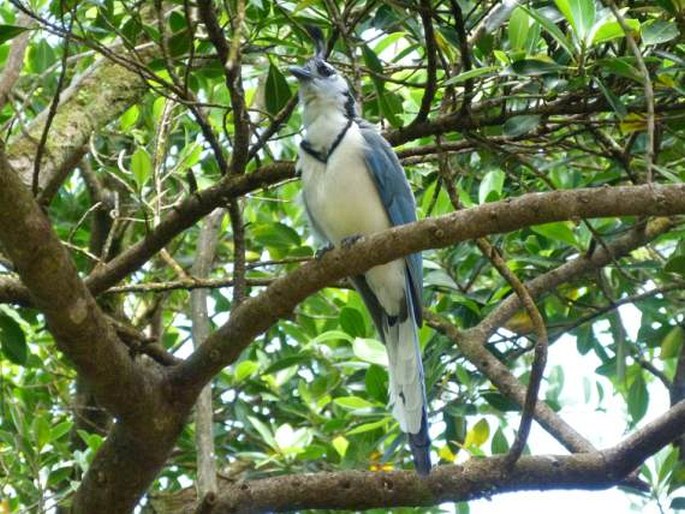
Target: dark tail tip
[[419, 444]]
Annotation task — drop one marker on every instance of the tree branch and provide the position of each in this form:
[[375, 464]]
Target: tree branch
[[507, 384], [575, 268], [477, 478], [15, 60], [256, 314], [101, 94], [204, 416]]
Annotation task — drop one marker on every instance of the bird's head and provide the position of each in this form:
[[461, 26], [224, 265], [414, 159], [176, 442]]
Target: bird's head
[[321, 86]]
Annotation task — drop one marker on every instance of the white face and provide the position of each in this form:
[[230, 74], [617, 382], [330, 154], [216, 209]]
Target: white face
[[323, 88]]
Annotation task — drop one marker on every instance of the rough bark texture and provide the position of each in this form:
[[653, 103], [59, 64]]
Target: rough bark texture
[[151, 403], [256, 314], [101, 94], [477, 478]]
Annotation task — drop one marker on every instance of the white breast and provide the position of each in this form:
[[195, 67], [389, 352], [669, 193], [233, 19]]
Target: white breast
[[341, 195], [343, 201]]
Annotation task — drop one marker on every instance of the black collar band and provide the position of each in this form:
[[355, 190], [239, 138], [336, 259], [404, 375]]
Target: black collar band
[[320, 156]]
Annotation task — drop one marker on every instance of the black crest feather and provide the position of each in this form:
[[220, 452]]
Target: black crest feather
[[319, 42]]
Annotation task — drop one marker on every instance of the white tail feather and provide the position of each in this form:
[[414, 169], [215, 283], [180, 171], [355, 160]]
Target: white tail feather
[[406, 374]]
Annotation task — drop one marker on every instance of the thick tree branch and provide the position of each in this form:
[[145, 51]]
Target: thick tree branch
[[101, 94], [477, 478], [80, 328], [132, 390], [256, 314]]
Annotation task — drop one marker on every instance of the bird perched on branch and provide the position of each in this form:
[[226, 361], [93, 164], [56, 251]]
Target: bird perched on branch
[[354, 185]]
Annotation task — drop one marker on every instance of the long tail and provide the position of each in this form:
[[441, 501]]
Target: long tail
[[407, 388]]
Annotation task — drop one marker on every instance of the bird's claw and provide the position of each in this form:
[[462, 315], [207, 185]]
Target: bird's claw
[[318, 255], [348, 241]]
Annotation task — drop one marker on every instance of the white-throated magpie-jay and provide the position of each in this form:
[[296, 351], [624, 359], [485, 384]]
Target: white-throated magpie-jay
[[353, 184]]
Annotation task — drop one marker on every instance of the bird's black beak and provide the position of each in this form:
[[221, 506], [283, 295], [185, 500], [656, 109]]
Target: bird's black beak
[[301, 74]]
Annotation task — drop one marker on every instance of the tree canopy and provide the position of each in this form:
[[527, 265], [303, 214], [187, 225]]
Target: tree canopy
[[153, 244]]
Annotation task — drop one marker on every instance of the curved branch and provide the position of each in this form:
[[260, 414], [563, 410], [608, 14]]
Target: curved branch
[[100, 95], [477, 478], [256, 314], [80, 328]]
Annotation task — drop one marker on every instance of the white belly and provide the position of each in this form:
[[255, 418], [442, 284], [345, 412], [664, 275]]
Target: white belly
[[343, 201]]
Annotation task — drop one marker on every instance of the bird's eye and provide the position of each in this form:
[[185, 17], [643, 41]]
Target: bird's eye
[[325, 70]]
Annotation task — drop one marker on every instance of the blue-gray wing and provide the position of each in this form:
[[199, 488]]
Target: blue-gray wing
[[397, 198]]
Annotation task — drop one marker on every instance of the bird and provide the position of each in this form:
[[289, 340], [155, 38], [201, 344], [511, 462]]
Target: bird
[[353, 185]]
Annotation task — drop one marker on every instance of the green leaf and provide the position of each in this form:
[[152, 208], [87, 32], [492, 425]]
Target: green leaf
[[189, 156], [552, 29], [519, 125], [491, 186], [676, 265], [387, 103], [340, 444], [129, 118], [352, 322], [13, 340], [478, 435], [535, 67], [245, 370], [616, 104], [619, 66], [276, 90], [352, 402], [368, 427], [638, 399], [672, 343], [61, 429], [559, 231], [287, 362], [370, 350], [500, 402], [8, 32], [471, 74], [276, 235], [499, 444], [518, 28], [376, 381], [331, 335], [659, 31], [609, 30], [93, 441], [180, 43], [580, 14], [41, 431], [264, 431], [141, 166]]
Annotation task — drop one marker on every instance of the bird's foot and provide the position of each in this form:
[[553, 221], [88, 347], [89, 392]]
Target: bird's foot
[[347, 242], [318, 255]]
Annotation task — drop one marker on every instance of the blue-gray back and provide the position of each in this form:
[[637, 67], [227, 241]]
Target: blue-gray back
[[397, 198]]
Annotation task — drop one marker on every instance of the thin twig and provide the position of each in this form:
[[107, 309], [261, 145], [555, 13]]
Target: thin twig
[[230, 59], [540, 360], [650, 150], [52, 111], [239, 249]]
